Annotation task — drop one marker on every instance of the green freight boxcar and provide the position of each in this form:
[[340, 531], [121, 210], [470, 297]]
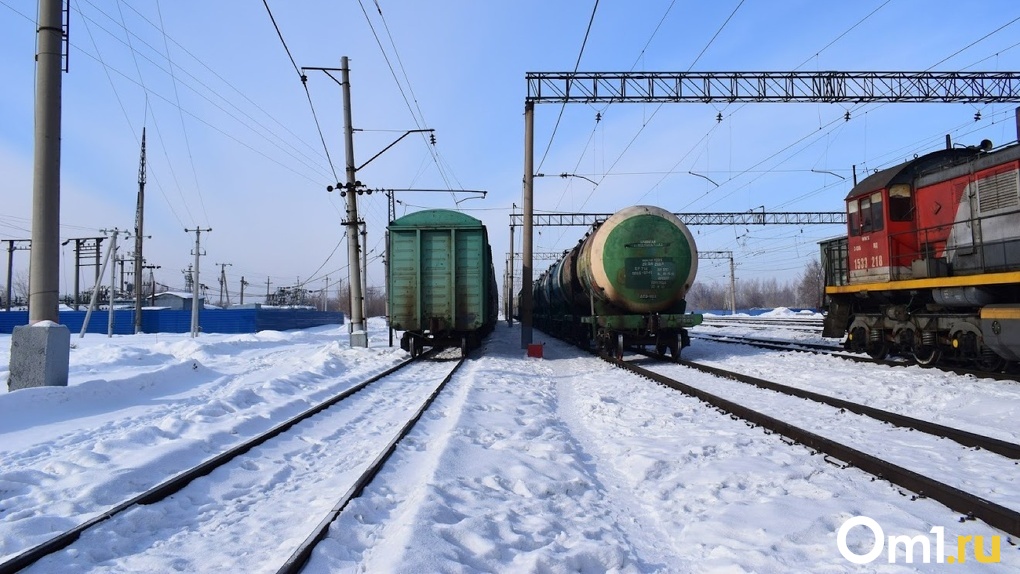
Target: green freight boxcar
[[442, 284]]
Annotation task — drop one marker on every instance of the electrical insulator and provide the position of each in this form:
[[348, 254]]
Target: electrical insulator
[[432, 139]]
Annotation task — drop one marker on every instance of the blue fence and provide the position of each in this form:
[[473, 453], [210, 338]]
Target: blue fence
[[247, 320]]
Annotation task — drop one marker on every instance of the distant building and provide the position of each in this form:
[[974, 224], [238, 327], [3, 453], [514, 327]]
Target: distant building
[[177, 300]]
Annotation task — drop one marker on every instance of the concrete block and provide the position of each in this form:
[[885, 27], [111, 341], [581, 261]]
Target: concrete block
[[40, 355]]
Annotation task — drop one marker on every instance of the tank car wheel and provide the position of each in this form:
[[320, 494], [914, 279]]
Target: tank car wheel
[[660, 349], [619, 347], [927, 355], [674, 350]]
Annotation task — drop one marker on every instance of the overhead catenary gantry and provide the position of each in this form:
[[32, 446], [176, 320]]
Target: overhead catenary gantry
[[745, 87], [738, 218]]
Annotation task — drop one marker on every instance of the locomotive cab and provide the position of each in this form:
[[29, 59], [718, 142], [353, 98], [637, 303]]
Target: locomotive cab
[[881, 239]]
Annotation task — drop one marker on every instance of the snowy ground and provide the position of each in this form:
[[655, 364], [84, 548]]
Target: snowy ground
[[560, 464]]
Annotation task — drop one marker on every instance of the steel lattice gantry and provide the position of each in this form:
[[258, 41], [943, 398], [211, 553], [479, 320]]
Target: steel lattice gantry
[[741, 218], [705, 87]]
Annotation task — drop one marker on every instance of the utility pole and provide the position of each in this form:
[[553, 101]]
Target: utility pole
[[243, 285], [364, 276], [267, 290], [733, 286], [152, 282], [197, 252], [528, 234], [223, 282], [139, 212], [51, 340], [11, 248], [359, 338], [113, 277], [325, 296]]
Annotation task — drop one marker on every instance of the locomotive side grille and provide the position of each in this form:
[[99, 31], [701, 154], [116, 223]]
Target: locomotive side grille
[[998, 192]]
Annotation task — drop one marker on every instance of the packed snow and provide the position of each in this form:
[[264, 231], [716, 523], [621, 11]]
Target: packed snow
[[556, 464]]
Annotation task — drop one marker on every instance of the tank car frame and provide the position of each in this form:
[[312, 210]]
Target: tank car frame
[[622, 285]]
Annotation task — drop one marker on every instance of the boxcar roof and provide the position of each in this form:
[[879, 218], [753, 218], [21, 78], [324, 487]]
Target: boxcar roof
[[436, 218]]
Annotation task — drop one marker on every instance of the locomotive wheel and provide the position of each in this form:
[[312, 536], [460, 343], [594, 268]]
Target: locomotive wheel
[[878, 350], [989, 362], [927, 355]]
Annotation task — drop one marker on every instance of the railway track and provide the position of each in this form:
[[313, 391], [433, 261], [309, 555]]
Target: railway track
[[838, 351], [870, 443], [352, 434], [789, 323]]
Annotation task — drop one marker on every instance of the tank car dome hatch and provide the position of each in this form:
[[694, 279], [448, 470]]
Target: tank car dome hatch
[[642, 259]]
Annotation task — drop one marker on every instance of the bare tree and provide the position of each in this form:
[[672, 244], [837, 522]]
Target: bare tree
[[20, 287], [812, 282]]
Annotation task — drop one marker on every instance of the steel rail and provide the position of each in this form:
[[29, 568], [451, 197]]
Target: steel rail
[[969, 505], [300, 557], [179, 481], [962, 437], [851, 356]]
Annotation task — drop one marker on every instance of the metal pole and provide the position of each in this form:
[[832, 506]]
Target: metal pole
[[358, 336], [77, 271], [526, 260], [364, 274], [10, 270], [195, 282], [44, 266], [93, 301], [138, 239], [510, 270], [733, 287], [113, 283], [194, 286]]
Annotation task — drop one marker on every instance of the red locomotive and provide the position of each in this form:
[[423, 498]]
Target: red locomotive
[[930, 267]]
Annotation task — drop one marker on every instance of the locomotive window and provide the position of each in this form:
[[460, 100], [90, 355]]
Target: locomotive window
[[901, 203], [877, 218], [853, 218], [866, 215]]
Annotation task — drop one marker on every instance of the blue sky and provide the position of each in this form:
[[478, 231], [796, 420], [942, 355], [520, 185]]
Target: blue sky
[[233, 145]]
